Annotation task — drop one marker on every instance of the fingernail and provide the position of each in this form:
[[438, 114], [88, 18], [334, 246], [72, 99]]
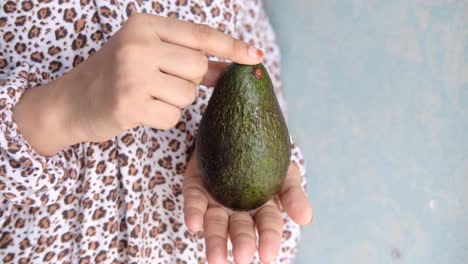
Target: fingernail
[[255, 53], [270, 258]]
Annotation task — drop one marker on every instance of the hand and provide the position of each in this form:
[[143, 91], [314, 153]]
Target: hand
[[201, 211], [143, 75]]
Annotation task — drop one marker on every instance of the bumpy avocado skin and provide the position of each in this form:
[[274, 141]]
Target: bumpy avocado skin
[[243, 145]]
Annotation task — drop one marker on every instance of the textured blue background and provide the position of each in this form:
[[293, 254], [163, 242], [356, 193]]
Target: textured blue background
[[378, 99]]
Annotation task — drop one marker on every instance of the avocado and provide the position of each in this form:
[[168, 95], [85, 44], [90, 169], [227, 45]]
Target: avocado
[[243, 145]]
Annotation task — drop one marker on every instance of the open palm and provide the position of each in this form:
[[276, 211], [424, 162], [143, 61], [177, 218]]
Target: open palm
[[218, 223]]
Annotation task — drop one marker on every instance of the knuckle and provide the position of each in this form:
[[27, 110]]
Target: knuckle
[[201, 31], [237, 45], [215, 238], [270, 230], [242, 219], [242, 222], [216, 219], [244, 236], [273, 216], [199, 65], [216, 214], [137, 18], [189, 95], [173, 118], [196, 64], [198, 81], [202, 64], [124, 51], [135, 24], [194, 194], [132, 19]]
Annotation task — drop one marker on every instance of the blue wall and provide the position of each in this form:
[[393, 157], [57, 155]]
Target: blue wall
[[378, 99]]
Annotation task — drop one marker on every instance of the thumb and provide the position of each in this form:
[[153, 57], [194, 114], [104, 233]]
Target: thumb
[[215, 69]]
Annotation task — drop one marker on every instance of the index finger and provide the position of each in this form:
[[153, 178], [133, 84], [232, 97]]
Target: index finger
[[205, 39]]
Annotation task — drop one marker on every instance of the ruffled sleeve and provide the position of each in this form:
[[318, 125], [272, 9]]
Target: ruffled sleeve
[[26, 177]]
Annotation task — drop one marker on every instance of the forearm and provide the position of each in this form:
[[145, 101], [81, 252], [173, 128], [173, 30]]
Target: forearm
[[45, 117]]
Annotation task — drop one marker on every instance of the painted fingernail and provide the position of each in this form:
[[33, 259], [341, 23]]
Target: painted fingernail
[[255, 53]]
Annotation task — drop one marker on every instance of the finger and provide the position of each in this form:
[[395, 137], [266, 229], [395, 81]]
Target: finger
[[293, 198], [242, 235], [206, 39], [173, 90], [195, 197], [195, 205], [215, 69], [182, 62], [216, 232], [269, 223], [160, 115]]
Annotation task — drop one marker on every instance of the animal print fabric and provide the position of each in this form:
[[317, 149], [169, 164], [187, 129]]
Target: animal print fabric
[[118, 201]]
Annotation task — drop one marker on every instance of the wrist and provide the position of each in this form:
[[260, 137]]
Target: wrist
[[68, 91], [44, 116]]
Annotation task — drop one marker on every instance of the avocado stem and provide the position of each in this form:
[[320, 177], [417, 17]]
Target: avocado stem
[[257, 72]]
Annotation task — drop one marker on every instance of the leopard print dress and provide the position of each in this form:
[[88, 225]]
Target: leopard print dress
[[118, 201]]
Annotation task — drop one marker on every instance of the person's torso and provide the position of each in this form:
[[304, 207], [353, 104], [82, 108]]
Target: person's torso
[[125, 203]]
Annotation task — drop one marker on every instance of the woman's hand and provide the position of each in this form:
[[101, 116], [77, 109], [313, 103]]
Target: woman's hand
[[143, 75], [203, 212]]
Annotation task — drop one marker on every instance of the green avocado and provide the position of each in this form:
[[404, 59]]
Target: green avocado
[[243, 145]]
